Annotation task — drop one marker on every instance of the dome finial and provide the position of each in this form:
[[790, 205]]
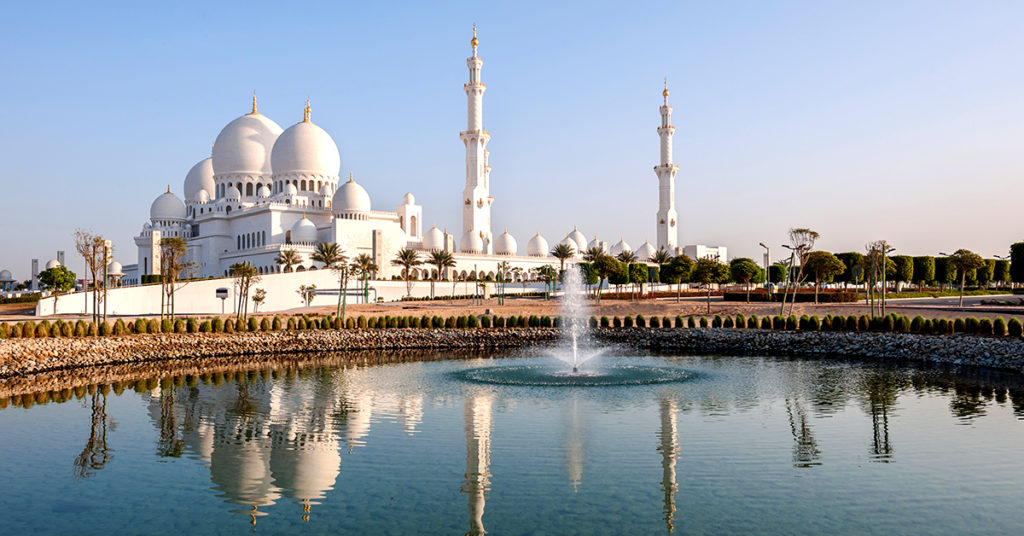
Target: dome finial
[[254, 112], [665, 92], [350, 177], [306, 111], [168, 188]]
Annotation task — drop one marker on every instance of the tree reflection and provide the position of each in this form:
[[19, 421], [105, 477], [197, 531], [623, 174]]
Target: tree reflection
[[881, 389], [97, 453], [805, 448]]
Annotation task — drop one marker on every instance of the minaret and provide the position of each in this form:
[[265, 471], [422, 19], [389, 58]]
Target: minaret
[[668, 234], [476, 198]]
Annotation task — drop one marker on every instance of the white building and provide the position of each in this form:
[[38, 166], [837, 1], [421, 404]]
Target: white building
[[696, 252]]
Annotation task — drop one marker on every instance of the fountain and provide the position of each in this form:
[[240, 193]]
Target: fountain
[[574, 320]]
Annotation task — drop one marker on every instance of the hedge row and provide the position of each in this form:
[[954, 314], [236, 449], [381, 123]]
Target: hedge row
[[890, 323], [828, 296]]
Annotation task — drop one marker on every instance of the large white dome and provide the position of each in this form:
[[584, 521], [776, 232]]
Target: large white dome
[[537, 246], [52, 263], [618, 248], [581, 241], [568, 241], [471, 242], [433, 239], [304, 231], [198, 179], [5, 276], [595, 243], [305, 148], [244, 146], [350, 197], [505, 244], [114, 268], [167, 207], [645, 252]]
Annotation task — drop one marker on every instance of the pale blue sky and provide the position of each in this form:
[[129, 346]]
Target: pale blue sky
[[863, 120]]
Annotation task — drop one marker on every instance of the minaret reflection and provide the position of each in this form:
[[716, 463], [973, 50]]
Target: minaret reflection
[[574, 447], [805, 448], [477, 480], [668, 435]]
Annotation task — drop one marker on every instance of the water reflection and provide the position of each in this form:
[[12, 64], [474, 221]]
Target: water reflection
[[477, 478], [668, 446], [97, 453]]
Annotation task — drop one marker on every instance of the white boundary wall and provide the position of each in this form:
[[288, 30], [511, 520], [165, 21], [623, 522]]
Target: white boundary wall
[[199, 297]]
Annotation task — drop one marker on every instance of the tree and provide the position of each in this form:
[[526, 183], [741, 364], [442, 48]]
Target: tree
[[306, 292], [1017, 262], [594, 253], [245, 276], [504, 272], [904, 268], [677, 272], [562, 252], [287, 258], [174, 266], [363, 267], [945, 272], [638, 275], [744, 270], [90, 247], [548, 275], [258, 297], [924, 270], [964, 260], [874, 261], [1002, 275], [334, 259], [627, 257], [708, 271], [777, 273], [407, 259], [802, 242], [824, 266], [987, 273], [442, 259], [605, 266], [57, 280], [662, 256], [854, 273]]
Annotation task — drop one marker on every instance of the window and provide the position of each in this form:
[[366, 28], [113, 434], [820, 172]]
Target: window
[[248, 189]]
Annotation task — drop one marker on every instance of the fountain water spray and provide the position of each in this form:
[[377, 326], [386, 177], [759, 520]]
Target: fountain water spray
[[574, 319]]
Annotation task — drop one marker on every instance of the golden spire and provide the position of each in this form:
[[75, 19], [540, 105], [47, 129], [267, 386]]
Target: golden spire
[[305, 112], [474, 42], [254, 112], [350, 177], [665, 93], [168, 188]]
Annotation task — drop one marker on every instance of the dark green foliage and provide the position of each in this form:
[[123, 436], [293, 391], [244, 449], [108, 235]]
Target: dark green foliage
[[254, 324], [752, 322], [302, 324], [741, 321], [192, 325], [703, 322], [218, 325], [791, 322], [350, 323], [604, 322], [426, 321], [716, 322], [766, 323], [727, 322], [460, 322], [927, 327], [229, 326], [472, 321], [276, 323], [617, 322], [999, 327], [971, 325], [904, 324], [54, 330], [627, 322], [691, 322], [179, 326], [778, 322], [826, 323], [449, 322], [28, 330], [917, 324], [290, 325], [985, 327], [205, 327], [437, 322], [4, 330], [924, 269], [641, 322], [815, 324], [545, 321], [1015, 328], [265, 324], [904, 268], [804, 322], [405, 324], [1017, 262], [166, 326], [863, 323], [485, 321], [959, 326], [666, 322]]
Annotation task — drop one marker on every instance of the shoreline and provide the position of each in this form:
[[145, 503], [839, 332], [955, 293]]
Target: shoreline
[[21, 358]]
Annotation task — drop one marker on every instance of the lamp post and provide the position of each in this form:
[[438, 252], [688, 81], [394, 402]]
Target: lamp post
[[789, 275], [1003, 258], [767, 258]]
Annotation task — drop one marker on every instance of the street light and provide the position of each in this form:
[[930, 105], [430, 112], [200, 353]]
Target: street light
[[767, 259], [789, 276]]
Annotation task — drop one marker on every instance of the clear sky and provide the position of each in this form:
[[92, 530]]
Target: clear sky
[[862, 120]]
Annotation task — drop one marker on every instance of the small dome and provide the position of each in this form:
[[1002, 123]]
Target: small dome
[[204, 197], [595, 243], [471, 242], [167, 207], [244, 146], [232, 194], [433, 239], [350, 197], [147, 226], [645, 252], [325, 190], [199, 179], [5, 276], [537, 246], [52, 263], [290, 189], [581, 241], [305, 148], [568, 241], [618, 248], [304, 231], [408, 199], [505, 244], [114, 268], [263, 191]]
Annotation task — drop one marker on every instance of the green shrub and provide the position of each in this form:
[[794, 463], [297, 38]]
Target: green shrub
[[81, 329], [473, 322], [179, 326], [863, 323], [804, 322], [753, 322], [394, 322], [485, 321], [302, 324], [54, 330], [437, 322], [449, 323], [680, 321], [716, 322], [826, 323], [411, 322], [229, 326], [276, 324], [1015, 328], [691, 322], [666, 322], [534, 321], [985, 327], [791, 322], [959, 325], [727, 322], [42, 332], [815, 324], [703, 322], [641, 322], [875, 323], [546, 322], [218, 325], [917, 324], [166, 326], [605, 322], [28, 330], [425, 321], [291, 324], [192, 325], [616, 322], [627, 322], [371, 322], [4, 331], [14, 331], [927, 327], [254, 324], [971, 325], [265, 324], [778, 322], [654, 322], [741, 321], [593, 322], [205, 327], [460, 321], [92, 330]]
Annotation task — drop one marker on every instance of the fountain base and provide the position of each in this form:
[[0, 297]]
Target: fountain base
[[552, 376]]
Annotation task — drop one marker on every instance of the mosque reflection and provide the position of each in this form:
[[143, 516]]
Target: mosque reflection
[[276, 437]]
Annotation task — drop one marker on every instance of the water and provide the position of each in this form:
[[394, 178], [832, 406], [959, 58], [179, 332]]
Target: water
[[733, 445], [575, 317]]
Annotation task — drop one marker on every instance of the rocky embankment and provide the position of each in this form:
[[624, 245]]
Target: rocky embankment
[[21, 357]]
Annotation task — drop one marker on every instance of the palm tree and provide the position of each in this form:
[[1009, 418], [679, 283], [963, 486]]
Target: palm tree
[[562, 252], [594, 253], [288, 258], [442, 259], [407, 259], [331, 255], [627, 257], [363, 266], [504, 271], [662, 256]]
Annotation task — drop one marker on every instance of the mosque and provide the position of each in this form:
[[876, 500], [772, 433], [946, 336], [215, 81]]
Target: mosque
[[265, 189]]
